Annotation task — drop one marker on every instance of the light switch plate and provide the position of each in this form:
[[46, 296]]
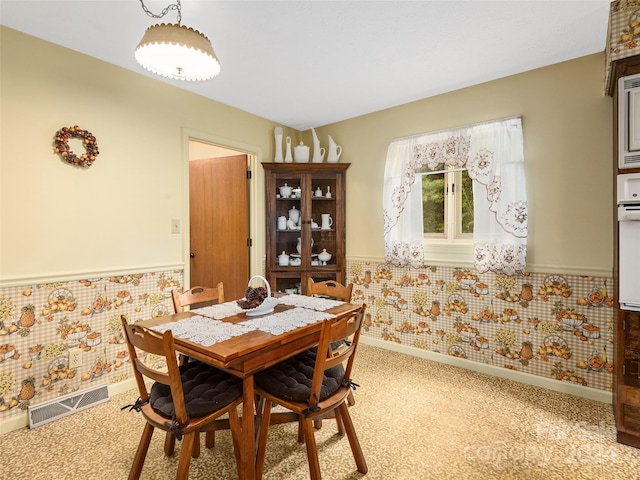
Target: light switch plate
[[175, 226]]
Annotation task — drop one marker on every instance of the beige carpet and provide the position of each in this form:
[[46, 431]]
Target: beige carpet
[[416, 419]]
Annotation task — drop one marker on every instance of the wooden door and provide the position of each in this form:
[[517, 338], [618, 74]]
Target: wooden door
[[219, 223]]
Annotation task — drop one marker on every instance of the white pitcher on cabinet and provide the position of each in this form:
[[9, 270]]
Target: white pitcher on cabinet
[[318, 152], [299, 245], [334, 151]]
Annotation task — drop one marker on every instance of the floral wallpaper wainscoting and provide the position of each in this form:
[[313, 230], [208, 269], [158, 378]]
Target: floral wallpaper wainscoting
[[559, 327], [40, 325], [554, 326]]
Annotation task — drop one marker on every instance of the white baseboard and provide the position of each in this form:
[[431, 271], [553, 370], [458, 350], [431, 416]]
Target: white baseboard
[[21, 420], [526, 378]]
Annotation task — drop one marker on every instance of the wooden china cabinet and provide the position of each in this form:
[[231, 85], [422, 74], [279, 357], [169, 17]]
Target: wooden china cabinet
[[310, 183], [627, 330]]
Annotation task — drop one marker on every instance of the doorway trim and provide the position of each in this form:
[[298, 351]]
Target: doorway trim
[[254, 158]]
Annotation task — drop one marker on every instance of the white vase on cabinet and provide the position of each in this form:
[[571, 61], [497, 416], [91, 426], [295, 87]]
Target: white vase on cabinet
[[288, 157], [278, 157]]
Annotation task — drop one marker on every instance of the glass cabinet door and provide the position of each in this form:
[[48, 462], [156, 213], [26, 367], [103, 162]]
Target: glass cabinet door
[[288, 217]]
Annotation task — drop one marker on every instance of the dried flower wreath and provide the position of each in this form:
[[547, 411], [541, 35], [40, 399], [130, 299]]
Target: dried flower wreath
[[88, 140]]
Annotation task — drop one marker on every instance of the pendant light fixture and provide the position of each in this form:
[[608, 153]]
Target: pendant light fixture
[[176, 51]]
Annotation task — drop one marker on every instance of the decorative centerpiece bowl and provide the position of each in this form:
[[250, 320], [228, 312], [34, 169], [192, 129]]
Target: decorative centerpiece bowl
[[324, 256], [258, 300]]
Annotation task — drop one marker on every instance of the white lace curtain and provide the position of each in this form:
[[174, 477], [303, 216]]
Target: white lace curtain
[[492, 152]]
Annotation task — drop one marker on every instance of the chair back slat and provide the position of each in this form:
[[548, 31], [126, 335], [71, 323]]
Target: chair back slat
[[342, 330], [333, 330], [152, 373], [198, 297], [330, 288], [145, 339], [337, 359]]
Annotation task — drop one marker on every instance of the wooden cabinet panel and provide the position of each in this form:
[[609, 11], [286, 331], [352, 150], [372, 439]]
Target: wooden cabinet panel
[[631, 348], [627, 388], [631, 417]]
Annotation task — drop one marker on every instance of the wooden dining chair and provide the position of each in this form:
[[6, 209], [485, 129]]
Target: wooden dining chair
[[311, 386], [197, 297], [337, 291], [184, 400]]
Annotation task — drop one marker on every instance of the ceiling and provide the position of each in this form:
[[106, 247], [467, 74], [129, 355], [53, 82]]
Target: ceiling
[[308, 63]]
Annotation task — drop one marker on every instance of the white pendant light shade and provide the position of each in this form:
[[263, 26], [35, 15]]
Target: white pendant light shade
[[178, 52]]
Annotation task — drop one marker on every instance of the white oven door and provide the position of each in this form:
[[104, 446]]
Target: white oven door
[[629, 257]]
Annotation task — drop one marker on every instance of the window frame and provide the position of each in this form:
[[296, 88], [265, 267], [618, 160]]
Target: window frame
[[452, 208]]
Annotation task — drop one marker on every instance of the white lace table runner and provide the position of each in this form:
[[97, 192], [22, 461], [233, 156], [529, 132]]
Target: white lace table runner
[[279, 323], [203, 330], [219, 311], [207, 331], [305, 301]]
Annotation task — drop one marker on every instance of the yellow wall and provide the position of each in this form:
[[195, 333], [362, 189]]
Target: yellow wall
[[56, 219], [567, 124], [115, 215]]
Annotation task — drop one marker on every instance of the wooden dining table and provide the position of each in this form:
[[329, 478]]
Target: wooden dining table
[[245, 355]]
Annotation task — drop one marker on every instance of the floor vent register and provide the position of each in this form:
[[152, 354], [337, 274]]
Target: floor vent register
[[61, 407]]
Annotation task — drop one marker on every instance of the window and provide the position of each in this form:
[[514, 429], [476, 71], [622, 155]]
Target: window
[[447, 204], [429, 207]]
